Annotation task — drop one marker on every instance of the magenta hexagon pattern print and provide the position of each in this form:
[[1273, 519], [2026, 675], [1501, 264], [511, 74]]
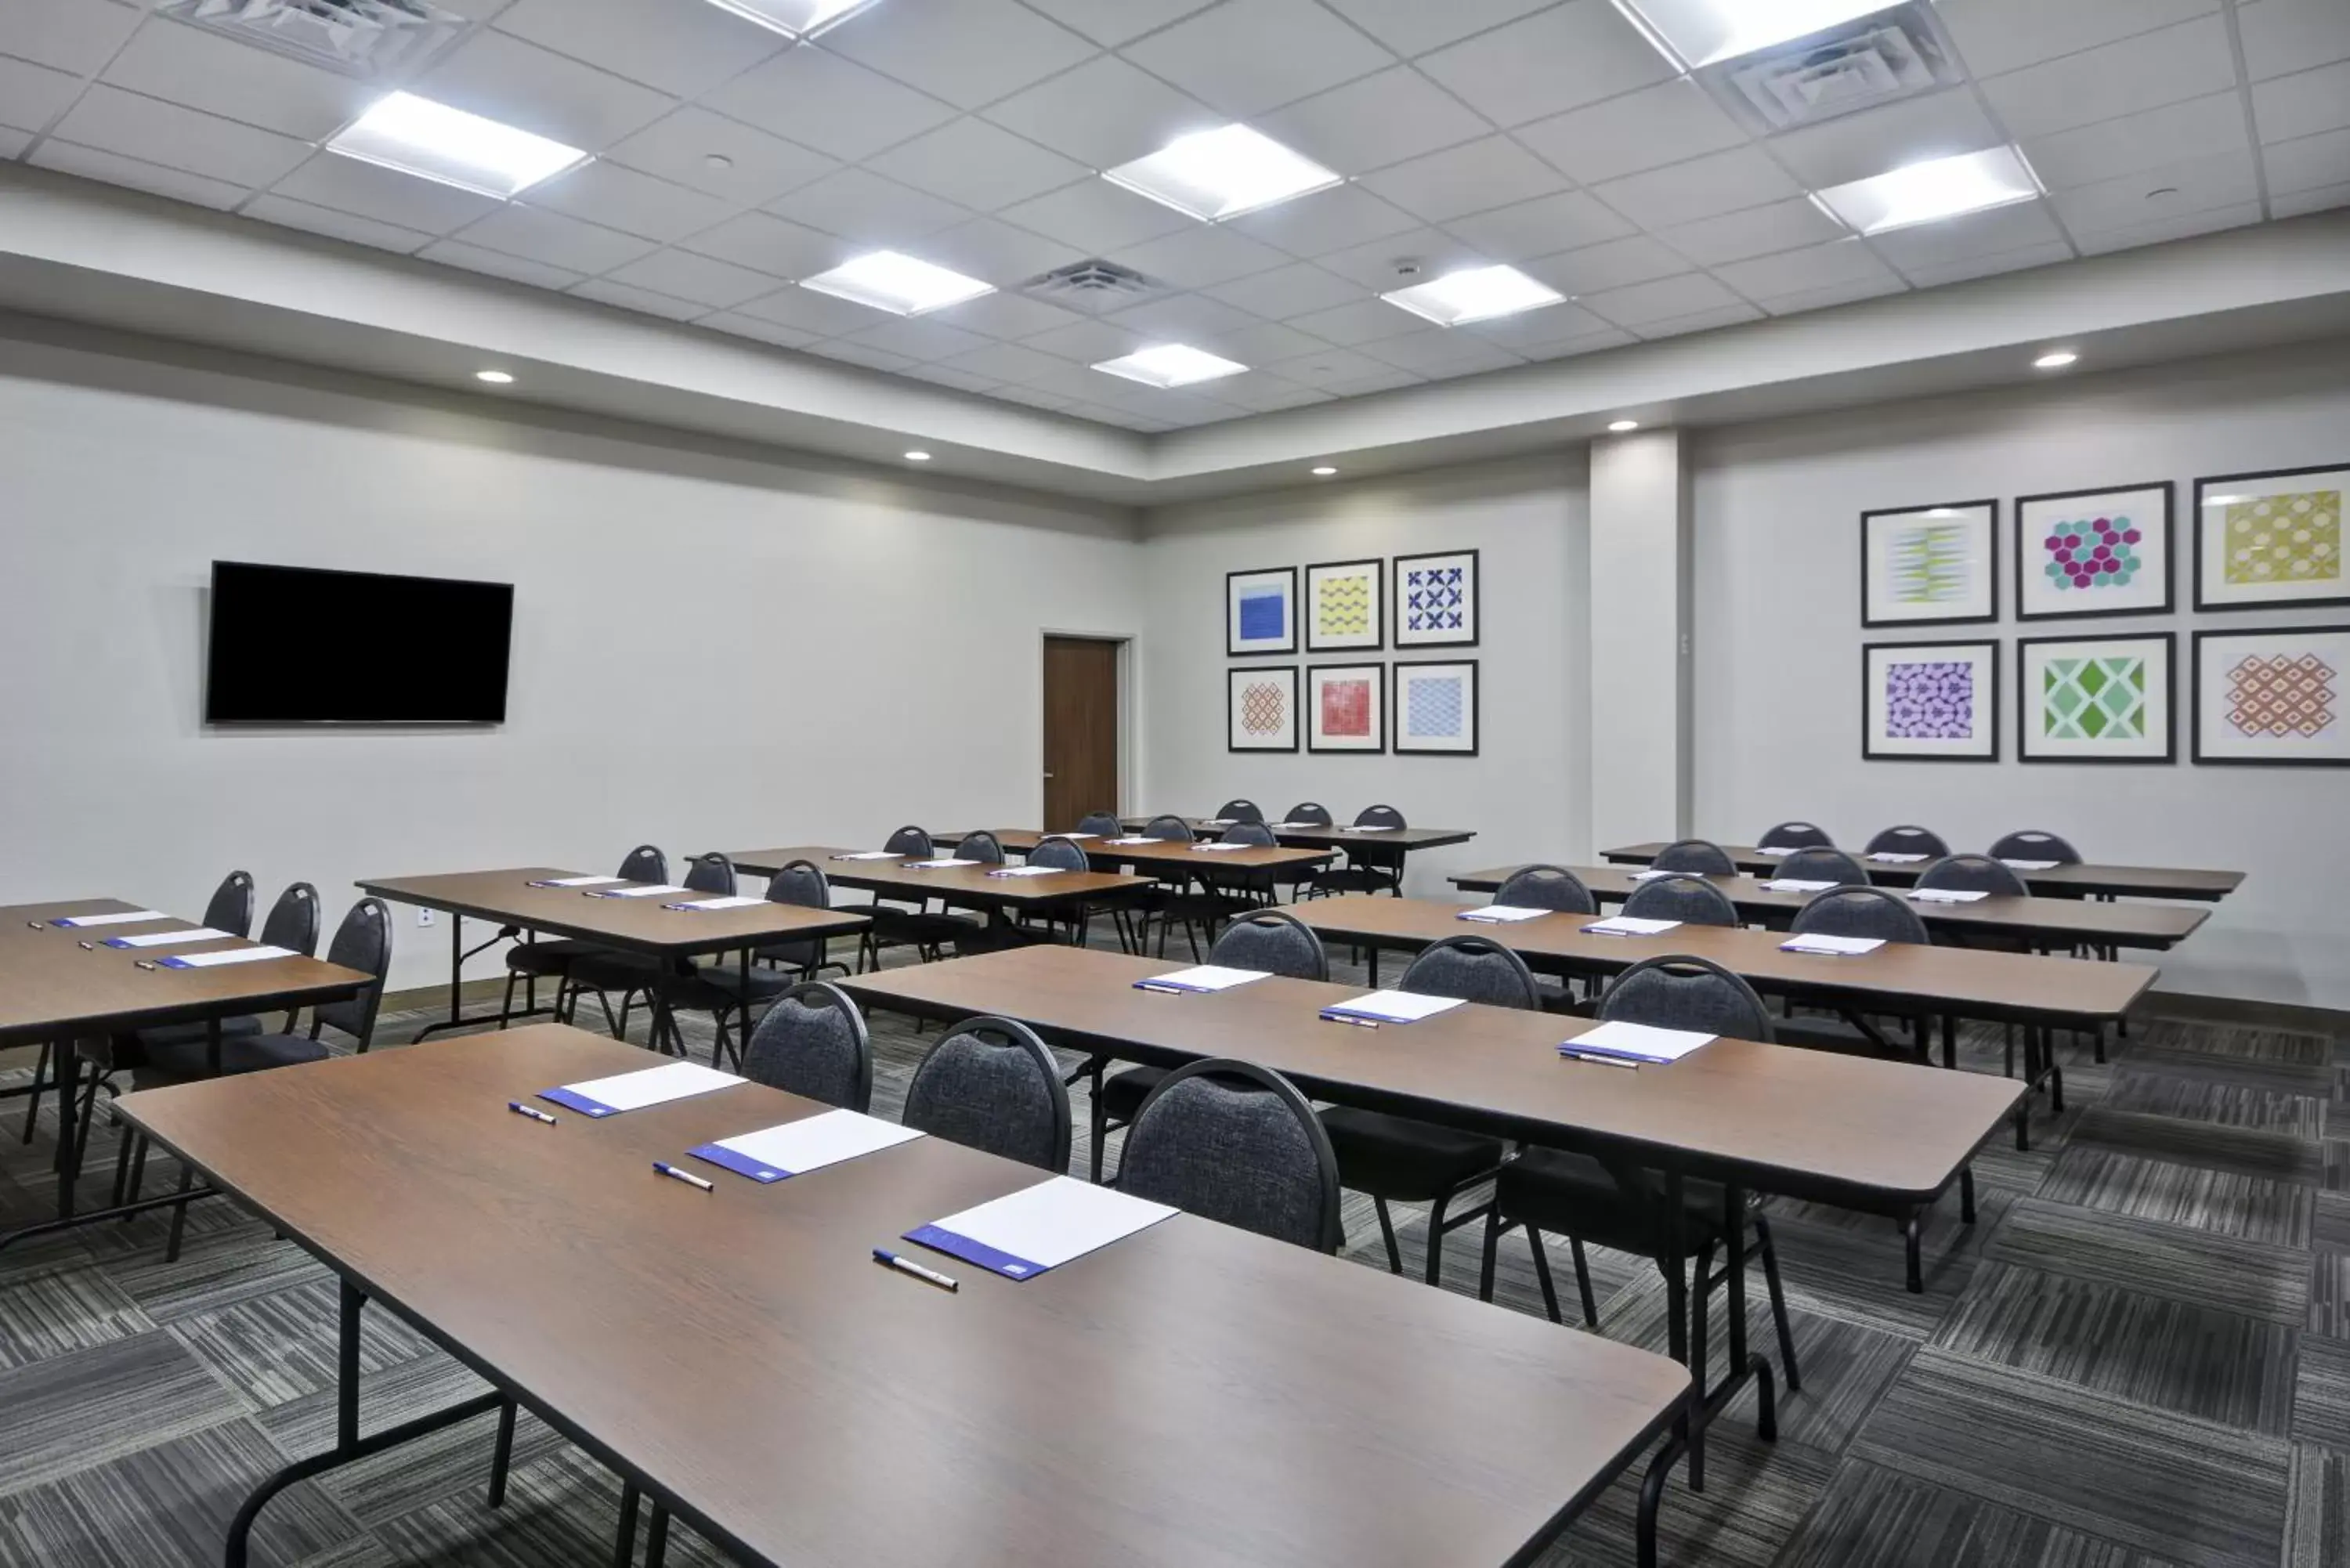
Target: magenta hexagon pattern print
[[1930, 700]]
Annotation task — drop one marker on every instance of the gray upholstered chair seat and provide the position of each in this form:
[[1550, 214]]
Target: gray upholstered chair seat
[[812, 1041], [548, 958], [1400, 1159], [1238, 1145], [1575, 1195], [993, 1085], [718, 983], [167, 1036], [254, 1053], [607, 969], [994, 939], [1122, 1093]]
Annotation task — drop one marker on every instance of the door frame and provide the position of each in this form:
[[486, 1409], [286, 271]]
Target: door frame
[[1124, 641]]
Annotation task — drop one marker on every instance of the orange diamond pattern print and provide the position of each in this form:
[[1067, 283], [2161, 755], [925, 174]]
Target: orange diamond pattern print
[[2283, 697], [1265, 707]]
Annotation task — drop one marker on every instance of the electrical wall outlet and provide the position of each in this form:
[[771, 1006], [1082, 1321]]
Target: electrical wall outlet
[[424, 917]]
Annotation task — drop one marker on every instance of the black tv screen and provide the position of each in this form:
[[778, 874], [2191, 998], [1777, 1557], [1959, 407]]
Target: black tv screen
[[295, 645]]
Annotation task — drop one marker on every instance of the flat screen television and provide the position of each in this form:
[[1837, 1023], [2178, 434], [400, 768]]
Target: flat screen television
[[296, 645]]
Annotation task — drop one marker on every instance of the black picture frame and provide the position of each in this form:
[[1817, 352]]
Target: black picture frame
[[1234, 674], [1310, 709], [2202, 604], [1396, 565], [1375, 569], [1476, 705], [1869, 751], [1231, 650], [2023, 709], [2169, 490], [1991, 559], [2195, 696]]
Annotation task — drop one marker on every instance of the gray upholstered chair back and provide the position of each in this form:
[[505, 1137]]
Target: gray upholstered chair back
[[1174, 829], [711, 874], [1821, 864], [1101, 825], [1274, 942], [812, 1041], [982, 846], [1380, 816], [2032, 844], [993, 1085], [1255, 832], [231, 908], [1860, 912], [1474, 968], [1693, 900], [1796, 836], [1066, 854], [1311, 811], [1973, 874], [293, 921], [1546, 887], [1236, 1142], [801, 882], [1699, 856], [913, 843], [1686, 992], [363, 942], [645, 864], [1907, 839], [1240, 811]]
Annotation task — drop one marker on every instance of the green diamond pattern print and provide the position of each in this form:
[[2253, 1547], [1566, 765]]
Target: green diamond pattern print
[[2094, 700]]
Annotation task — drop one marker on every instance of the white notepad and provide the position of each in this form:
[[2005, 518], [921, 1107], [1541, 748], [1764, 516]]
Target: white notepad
[[1796, 885], [1134, 841], [797, 1147], [1221, 848], [2032, 864], [634, 1091], [1652, 874], [225, 955], [1392, 1006], [870, 855], [1028, 871], [943, 863], [1042, 1227], [1217, 821], [1779, 849], [1200, 977], [1374, 828], [1946, 895], [1629, 926], [1500, 914], [635, 893], [75, 922], [1893, 858], [732, 901], [577, 881], [1299, 827], [168, 939], [1636, 1042], [1839, 947], [1073, 835]]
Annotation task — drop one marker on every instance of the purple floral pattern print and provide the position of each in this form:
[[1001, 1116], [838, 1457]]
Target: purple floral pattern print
[[1930, 701]]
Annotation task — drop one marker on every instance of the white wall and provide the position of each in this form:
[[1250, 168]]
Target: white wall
[[709, 651], [1778, 639], [1523, 792]]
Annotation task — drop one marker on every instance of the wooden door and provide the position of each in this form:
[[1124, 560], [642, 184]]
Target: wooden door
[[1081, 730]]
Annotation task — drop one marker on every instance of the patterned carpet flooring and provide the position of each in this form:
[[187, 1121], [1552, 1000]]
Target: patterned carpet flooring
[[2138, 1357]]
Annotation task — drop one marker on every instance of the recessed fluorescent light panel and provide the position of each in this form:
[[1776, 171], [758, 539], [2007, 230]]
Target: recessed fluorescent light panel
[[1170, 365], [433, 141], [1929, 193], [1478, 294], [897, 284], [1694, 34], [792, 19], [1216, 174]]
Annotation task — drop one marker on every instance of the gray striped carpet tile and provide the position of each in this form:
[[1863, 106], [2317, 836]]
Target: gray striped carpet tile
[[2252, 1208], [59, 1310], [2246, 1042], [2246, 1151], [2205, 1099], [2314, 1079], [2329, 1295], [245, 1264], [282, 1347], [1872, 1518], [1846, 1368], [2250, 1278], [562, 1511], [2317, 1518], [406, 1389], [2320, 1406], [74, 1411], [1756, 1495], [449, 1467], [1855, 1274], [2330, 1224]]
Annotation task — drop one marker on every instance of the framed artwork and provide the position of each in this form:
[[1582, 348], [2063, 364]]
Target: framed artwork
[[2271, 539], [1260, 612], [2093, 552], [1436, 599], [2095, 699], [1930, 564], [1436, 707], [1930, 702], [1343, 608], [1261, 709], [1345, 708], [2273, 697]]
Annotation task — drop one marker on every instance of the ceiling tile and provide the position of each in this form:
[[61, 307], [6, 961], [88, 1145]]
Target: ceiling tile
[[1095, 216], [960, 380], [2185, 225], [13, 142], [2024, 225], [978, 165], [1261, 393], [1700, 321], [643, 301], [822, 102], [858, 354], [771, 245], [93, 164], [1327, 221], [1540, 228], [2311, 162], [1416, 26], [498, 264], [519, 83], [1861, 146], [2129, 200], [1833, 295], [1288, 291], [1036, 398], [1637, 258], [335, 225], [1262, 343], [1644, 130], [2322, 198], [1998, 36], [371, 190], [1006, 362], [1700, 188], [1645, 303], [1110, 23], [550, 237], [1932, 274], [1185, 318], [1386, 379], [204, 71], [867, 207], [1374, 121], [31, 96], [806, 310], [1756, 231], [1841, 264], [1559, 59], [1003, 315], [1474, 178], [2285, 35], [634, 203], [681, 275], [680, 46], [758, 167], [740, 326], [132, 125], [76, 35], [1365, 321], [2303, 105], [1199, 256], [1087, 342], [1331, 367], [1534, 332], [2197, 128], [1375, 266], [968, 52], [1075, 382], [1589, 342], [996, 253], [1440, 354], [1105, 113], [1246, 57], [2180, 62], [918, 338]]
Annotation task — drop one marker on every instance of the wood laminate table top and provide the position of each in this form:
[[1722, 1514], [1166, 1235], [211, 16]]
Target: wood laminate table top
[[636, 925], [1192, 1396], [2055, 882], [1333, 838], [960, 884], [1160, 856]]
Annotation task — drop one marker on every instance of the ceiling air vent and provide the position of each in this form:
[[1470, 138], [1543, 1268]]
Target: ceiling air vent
[[1096, 286], [363, 38], [1877, 59]]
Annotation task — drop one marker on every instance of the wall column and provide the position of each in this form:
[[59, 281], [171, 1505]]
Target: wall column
[[1639, 655]]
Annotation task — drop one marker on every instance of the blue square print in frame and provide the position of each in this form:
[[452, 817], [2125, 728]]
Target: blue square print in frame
[[1261, 611], [1435, 599], [1436, 707]]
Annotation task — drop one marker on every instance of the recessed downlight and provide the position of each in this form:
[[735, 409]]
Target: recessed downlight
[[2056, 360], [1325, 471], [1621, 426], [918, 457], [495, 378]]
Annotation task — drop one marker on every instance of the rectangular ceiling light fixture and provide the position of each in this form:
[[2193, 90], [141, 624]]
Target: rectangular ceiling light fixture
[[1929, 192], [1476, 294], [793, 18], [1695, 34], [1170, 365], [433, 141], [1212, 175], [897, 284]]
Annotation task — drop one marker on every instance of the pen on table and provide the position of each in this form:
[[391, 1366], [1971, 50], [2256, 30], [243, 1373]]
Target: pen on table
[[908, 1266], [666, 1168], [1598, 1060], [86, 947], [533, 1112], [143, 964], [1162, 990], [1357, 1022]]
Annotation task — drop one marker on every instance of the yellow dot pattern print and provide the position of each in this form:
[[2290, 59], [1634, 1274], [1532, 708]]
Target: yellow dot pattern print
[[2286, 539]]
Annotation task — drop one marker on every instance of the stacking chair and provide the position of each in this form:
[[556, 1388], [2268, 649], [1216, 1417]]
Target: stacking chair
[[1369, 867], [1398, 1159], [1312, 813], [1699, 856], [1857, 912], [803, 884], [535, 961], [1553, 888], [1246, 888], [2032, 844], [1269, 940], [1908, 840], [1973, 874], [1687, 898], [1068, 855], [1234, 811], [812, 1041], [1821, 863], [990, 1084], [292, 923], [721, 985], [924, 929], [1178, 896], [1796, 836], [1236, 1143], [981, 932], [1101, 824]]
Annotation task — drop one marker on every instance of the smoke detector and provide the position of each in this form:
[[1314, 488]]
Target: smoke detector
[[369, 39], [1095, 286], [1864, 64]]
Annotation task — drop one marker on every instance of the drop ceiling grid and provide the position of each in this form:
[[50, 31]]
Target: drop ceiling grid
[[1457, 149]]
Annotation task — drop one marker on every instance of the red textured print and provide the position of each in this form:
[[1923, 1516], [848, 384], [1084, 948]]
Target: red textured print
[[1347, 708]]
